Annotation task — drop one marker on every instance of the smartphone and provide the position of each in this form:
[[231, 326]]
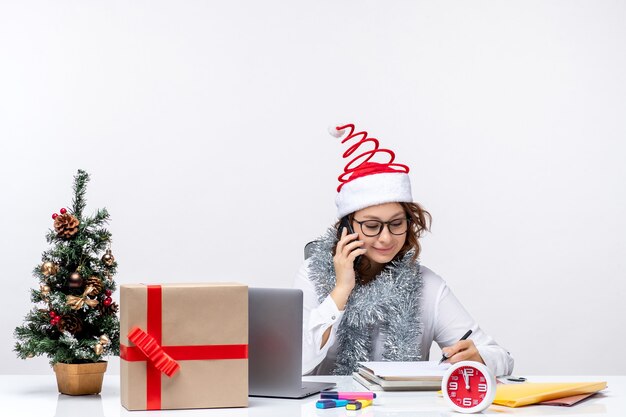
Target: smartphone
[[345, 223]]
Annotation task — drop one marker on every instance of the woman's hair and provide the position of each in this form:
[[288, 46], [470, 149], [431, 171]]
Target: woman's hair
[[419, 223]]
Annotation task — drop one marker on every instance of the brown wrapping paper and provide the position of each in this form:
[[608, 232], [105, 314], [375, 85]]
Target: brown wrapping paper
[[192, 315]]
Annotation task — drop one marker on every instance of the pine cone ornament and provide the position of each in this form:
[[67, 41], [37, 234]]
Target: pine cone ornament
[[108, 310], [66, 225], [96, 283], [71, 323]]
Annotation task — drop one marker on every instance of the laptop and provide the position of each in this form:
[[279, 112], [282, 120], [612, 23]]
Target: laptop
[[275, 345]]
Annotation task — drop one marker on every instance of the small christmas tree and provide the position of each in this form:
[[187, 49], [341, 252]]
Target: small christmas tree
[[74, 319]]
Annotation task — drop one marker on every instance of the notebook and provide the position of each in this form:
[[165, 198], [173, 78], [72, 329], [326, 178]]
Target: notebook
[[408, 376], [275, 345]]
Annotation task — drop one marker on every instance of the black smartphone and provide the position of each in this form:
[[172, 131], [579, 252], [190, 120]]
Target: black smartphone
[[345, 223]]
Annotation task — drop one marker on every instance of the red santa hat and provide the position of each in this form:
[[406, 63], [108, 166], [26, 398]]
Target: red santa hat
[[364, 182]]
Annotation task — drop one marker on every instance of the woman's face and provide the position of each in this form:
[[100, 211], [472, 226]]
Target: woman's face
[[384, 247]]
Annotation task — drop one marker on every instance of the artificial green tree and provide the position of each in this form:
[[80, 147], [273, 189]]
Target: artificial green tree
[[74, 319]]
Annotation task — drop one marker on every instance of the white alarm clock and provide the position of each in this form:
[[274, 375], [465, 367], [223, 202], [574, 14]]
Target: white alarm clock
[[468, 387]]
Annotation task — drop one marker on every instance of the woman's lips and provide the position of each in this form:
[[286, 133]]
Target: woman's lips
[[383, 250]]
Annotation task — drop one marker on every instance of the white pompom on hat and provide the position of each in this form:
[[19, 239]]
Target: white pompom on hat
[[366, 183]]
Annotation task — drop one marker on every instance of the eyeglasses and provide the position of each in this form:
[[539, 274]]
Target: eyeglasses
[[372, 228]]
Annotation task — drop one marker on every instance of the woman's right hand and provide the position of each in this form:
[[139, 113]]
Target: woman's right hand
[[348, 248]]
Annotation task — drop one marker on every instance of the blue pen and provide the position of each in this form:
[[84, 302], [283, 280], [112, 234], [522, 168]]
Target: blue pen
[[328, 403]]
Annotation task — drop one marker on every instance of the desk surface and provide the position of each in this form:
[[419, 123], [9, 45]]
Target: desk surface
[[36, 395]]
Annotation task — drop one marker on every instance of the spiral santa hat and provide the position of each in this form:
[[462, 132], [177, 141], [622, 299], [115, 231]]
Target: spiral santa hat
[[366, 183]]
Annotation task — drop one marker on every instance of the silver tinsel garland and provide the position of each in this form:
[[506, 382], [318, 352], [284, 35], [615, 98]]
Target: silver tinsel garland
[[389, 302]]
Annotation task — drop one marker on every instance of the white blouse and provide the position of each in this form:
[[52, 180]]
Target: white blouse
[[444, 321]]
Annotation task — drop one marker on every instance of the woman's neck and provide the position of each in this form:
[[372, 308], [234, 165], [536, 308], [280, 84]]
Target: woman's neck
[[370, 273]]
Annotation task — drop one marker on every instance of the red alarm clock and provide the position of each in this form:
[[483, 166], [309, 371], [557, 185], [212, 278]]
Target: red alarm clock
[[468, 387]]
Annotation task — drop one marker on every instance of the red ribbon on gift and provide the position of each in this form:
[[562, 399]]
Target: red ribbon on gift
[[163, 358]]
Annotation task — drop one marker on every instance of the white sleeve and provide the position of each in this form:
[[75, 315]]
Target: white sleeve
[[316, 318], [452, 321]]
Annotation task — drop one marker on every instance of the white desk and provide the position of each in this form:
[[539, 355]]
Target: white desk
[[36, 396]]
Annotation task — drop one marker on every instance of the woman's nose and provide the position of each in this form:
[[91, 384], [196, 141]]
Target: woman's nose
[[384, 235]]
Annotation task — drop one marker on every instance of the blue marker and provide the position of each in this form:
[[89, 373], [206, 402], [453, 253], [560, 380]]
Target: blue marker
[[328, 403]]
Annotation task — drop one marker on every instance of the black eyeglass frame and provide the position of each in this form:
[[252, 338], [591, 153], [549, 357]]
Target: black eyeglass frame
[[382, 226]]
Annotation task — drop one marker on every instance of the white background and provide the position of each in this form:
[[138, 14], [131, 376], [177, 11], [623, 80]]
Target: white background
[[203, 126]]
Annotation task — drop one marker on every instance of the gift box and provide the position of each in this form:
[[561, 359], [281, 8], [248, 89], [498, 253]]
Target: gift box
[[183, 346]]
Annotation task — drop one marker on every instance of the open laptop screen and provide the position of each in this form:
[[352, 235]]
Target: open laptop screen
[[275, 344]]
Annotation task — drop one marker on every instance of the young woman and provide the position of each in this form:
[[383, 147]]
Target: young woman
[[366, 296]]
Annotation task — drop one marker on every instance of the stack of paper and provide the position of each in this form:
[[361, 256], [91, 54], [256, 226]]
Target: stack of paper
[[407, 376]]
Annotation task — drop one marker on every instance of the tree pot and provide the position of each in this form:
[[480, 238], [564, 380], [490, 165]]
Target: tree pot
[[80, 378]]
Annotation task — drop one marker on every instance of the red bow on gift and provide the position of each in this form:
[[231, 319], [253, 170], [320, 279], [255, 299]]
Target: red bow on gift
[[153, 351]]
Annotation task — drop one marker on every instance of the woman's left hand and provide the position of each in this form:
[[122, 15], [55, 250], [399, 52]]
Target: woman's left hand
[[463, 350]]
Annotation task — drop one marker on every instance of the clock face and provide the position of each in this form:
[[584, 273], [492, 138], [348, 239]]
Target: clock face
[[469, 387]]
